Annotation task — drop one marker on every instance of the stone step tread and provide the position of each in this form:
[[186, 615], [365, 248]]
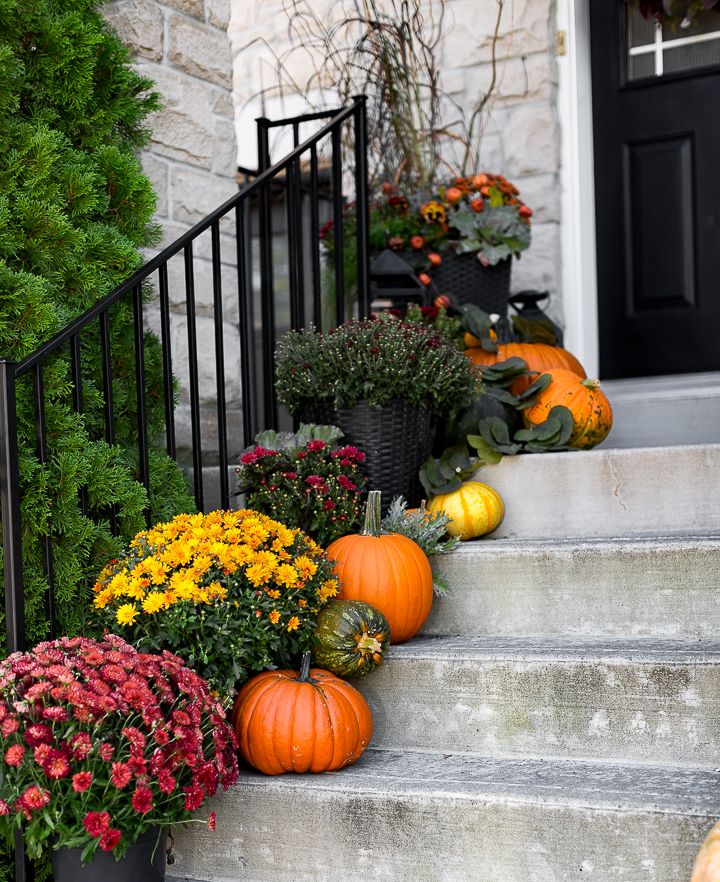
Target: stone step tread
[[488, 545], [616, 787], [572, 649]]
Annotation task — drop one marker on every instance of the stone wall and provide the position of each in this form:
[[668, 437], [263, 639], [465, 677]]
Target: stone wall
[[183, 46], [522, 138]]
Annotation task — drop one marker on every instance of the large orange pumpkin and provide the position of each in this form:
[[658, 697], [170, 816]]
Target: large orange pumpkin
[[584, 399], [707, 862], [539, 357], [386, 570], [307, 722]]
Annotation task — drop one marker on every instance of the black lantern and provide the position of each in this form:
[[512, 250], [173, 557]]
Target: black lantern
[[526, 304], [391, 278]]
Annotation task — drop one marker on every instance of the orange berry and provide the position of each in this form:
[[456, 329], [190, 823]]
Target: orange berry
[[435, 259], [417, 242], [425, 279], [485, 191], [453, 194], [442, 300], [525, 211], [477, 204], [387, 188]]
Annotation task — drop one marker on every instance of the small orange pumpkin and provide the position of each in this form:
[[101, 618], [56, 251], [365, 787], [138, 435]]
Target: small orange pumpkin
[[584, 399], [707, 862], [539, 357], [307, 722], [386, 570]]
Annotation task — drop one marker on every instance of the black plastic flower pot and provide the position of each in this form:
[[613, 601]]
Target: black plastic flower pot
[[396, 440], [144, 861]]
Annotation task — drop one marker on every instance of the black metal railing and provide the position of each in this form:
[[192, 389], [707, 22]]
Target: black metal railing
[[304, 263]]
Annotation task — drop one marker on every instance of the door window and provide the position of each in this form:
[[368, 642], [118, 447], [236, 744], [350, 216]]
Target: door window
[[655, 49]]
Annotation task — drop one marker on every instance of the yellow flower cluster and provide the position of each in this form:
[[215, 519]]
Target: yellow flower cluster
[[184, 559]]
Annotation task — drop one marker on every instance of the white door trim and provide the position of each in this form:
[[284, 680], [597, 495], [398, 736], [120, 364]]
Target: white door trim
[[578, 262]]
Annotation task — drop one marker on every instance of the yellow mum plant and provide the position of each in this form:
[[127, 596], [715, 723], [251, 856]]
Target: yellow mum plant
[[231, 592]]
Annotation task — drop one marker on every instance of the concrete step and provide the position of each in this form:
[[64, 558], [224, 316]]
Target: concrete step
[[680, 409], [614, 699], [397, 816], [634, 492], [657, 587]]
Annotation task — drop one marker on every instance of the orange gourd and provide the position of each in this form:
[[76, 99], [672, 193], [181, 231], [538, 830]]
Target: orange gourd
[[584, 399], [539, 357], [475, 509], [310, 721], [386, 570], [707, 862]]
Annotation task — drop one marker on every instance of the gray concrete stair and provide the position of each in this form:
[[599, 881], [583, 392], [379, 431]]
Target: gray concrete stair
[[663, 586], [616, 699], [402, 816]]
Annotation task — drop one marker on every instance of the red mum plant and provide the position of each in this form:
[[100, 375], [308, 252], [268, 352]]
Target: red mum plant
[[101, 742]]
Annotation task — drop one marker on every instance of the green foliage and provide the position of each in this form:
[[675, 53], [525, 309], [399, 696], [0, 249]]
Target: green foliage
[[547, 437], [304, 481], [425, 529], [75, 208], [447, 473], [376, 360], [437, 318]]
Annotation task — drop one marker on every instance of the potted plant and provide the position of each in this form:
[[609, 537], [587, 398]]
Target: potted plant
[[231, 591], [384, 382], [304, 480], [103, 749]]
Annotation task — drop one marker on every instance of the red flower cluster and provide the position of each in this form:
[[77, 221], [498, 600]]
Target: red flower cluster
[[112, 730]]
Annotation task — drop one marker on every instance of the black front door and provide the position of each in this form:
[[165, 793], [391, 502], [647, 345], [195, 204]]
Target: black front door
[[656, 125]]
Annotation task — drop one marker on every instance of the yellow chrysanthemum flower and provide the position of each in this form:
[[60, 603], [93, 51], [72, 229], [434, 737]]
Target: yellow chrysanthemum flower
[[293, 624], [274, 594], [287, 575], [258, 574], [127, 614], [103, 598], [274, 617], [154, 601], [155, 570], [305, 567]]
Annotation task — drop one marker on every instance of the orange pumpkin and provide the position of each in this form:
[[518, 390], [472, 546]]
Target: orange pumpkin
[[539, 357], [584, 399], [307, 722], [386, 570], [707, 862]]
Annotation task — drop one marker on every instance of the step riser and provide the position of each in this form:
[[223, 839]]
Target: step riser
[[266, 836], [630, 712], [640, 589], [634, 492]]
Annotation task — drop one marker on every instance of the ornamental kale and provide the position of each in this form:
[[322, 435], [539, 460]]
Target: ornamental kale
[[100, 743], [377, 360], [302, 481]]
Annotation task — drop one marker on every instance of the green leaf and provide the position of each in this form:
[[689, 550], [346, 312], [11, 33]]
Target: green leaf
[[534, 332], [530, 395], [485, 452]]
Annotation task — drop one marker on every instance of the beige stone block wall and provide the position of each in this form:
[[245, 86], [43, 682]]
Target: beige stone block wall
[[183, 46], [521, 135]]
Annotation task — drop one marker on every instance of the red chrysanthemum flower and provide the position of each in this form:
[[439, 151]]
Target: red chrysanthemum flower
[[134, 736], [121, 775], [97, 823], [110, 839], [10, 725], [14, 755], [211, 821], [81, 746], [166, 782], [34, 798], [182, 718], [41, 752], [138, 764], [161, 736], [55, 713], [142, 800], [4, 807], [81, 781], [56, 765], [113, 673], [194, 796], [106, 752]]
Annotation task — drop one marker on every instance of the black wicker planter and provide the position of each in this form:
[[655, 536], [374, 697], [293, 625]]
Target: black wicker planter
[[467, 279], [396, 440]]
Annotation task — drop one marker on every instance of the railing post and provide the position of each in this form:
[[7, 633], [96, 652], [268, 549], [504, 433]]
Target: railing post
[[339, 249], [362, 207], [266, 277], [10, 493]]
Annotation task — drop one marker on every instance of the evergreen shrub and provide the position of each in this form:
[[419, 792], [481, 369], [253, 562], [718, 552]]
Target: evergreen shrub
[[75, 208]]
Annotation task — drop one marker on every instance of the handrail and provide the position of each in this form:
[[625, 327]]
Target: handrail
[[190, 235]]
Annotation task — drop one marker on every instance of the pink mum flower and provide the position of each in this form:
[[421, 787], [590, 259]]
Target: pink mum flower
[[81, 781], [14, 755]]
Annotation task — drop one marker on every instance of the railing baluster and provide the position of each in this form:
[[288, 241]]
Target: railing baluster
[[315, 238], [77, 397], [338, 225], [293, 248], [142, 423], [300, 241], [168, 386], [42, 455], [245, 327], [193, 378], [220, 365], [108, 407], [266, 281], [361, 207], [10, 513]]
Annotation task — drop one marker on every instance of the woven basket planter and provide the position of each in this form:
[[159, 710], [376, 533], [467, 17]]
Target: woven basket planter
[[396, 440]]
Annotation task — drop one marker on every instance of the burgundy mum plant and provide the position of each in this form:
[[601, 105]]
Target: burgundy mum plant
[[100, 743]]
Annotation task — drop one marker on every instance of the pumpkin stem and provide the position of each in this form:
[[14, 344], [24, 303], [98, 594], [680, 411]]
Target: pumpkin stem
[[305, 669], [372, 515], [591, 384], [422, 505]]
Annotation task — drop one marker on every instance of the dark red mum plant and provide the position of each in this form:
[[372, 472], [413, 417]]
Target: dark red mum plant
[[100, 742]]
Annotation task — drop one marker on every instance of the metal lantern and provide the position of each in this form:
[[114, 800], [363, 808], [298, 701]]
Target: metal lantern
[[526, 304], [394, 280]]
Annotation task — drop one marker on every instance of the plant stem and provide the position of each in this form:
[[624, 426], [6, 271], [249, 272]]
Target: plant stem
[[372, 515]]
